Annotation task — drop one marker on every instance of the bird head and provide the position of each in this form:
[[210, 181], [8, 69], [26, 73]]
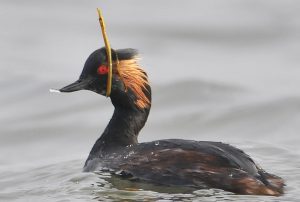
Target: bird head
[[129, 84], [115, 74]]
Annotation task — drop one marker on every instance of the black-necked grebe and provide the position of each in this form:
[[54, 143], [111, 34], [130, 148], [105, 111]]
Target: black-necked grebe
[[199, 164]]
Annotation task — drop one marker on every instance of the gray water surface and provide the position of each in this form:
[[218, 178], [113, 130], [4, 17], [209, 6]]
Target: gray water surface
[[220, 70]]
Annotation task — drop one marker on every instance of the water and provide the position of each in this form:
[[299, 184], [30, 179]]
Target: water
[[237, 83]]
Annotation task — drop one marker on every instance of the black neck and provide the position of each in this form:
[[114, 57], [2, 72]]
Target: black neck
[[123, 128]]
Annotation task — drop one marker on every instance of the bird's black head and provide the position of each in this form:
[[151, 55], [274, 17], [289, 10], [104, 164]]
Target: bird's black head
[[129, 82]]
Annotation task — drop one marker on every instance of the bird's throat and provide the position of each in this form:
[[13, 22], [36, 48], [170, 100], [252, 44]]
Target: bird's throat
[[124, 127], [121, 131], [127, 121]]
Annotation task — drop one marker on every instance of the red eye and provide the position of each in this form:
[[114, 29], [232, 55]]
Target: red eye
[[102, 70]]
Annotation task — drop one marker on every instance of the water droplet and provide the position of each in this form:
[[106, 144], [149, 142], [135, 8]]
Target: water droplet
[[54, 91]]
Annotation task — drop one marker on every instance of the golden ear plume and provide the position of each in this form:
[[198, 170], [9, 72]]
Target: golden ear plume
[[108, 53]]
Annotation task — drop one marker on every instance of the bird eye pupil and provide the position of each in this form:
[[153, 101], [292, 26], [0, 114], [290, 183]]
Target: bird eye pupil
[[102, 70]]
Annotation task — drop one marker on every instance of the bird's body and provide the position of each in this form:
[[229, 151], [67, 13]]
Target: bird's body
[[198, 164]]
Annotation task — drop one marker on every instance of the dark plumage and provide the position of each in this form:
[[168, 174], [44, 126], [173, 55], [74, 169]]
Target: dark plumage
[[196, 164]]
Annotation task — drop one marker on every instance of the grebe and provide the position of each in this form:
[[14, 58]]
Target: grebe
[[198, 164]]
